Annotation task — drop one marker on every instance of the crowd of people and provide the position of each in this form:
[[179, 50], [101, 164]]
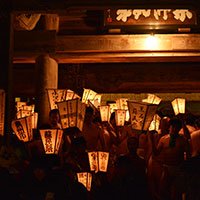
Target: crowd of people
[[152, 165]]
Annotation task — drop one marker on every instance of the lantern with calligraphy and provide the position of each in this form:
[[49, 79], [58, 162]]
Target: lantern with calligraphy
[[71, 95], [155, 124], [23, 128], [20, 105], [120, 116], [72, 113], [88, 95], [113, 107], [122, 103], [98, 161], [178, 105], [105, 113], [141, 114], [51, 139], [86, 179], [153, 99], [29, 108], [56, 95]]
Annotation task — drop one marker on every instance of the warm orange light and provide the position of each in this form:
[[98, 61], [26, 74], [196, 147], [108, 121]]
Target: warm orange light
[[105, 113], [86, 179], [151, 42], [178, 105]]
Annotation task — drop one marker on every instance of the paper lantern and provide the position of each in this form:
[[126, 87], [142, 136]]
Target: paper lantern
[[178, 105], [2, 111], [98, 161], [113, 107], [23, 113], [71, 95], [29, 108], [155, 124], [97, 100], [141, 114], [153, 99], [20, 105], [122, 103], [56, 95], [51, 139], [88, 95], [127, 116], [23, 128], [120, 116], [86, 179], [105, 113], [34, 117], [72, 113]]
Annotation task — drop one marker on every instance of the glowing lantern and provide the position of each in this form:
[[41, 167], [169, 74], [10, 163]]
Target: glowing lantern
[[152, 99], [29, 108], [120, 116], [56, 95], [86, 179], [105, 113], [88, 95], [51, 139], [97, 100], [2, 111], [178, 105], [72, 113], [122, 104], [113, 107], [141, 114], [98, 161], [127, 116], [71, 95], [20, 105], [23, 113], [34, 117], [23, 128], [155, 124]]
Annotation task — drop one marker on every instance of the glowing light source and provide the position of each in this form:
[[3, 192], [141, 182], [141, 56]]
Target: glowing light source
[[178, 105], [105, 113], [151, 42], [120, 116], [86, 179], [152, 98]]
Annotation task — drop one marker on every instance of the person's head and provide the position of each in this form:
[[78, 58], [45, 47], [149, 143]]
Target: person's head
[[54, 117], [164, 125], [190, 119], [174, 126], [197, 123], [79, 144], [132, 144], [112, 119], [89, 115]]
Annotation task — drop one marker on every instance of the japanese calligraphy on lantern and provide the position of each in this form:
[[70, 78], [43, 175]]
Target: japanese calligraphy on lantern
[[120, 117], [56, 95], [51, 139], [149, 16], [141, 114], [103, 161], [86, 179], [23, 128], [105, 113], [93, 160], [2, 111], [152, 99]]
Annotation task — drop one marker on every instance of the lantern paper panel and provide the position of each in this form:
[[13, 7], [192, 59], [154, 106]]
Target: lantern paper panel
[[178, 105], [20, 105], [97, 100], [93, 161], [120, 116], [127, 115], [88, 95], [103, 161], [29, 108], [23, 113], [2, 111], [71, 95], [141, 114], [113, 107], [155, 124], [23, 128], [51, 139], [56, 95], [153, 99], [105, 113], [34, 117], [86, 179], [122, 103], [72, 113]]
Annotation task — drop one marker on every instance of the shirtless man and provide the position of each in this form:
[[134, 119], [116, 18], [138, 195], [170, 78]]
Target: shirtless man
[[173, 147]]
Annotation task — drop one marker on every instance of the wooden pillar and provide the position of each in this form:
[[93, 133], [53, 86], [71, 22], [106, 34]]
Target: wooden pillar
[[6, 74], [46, 78]]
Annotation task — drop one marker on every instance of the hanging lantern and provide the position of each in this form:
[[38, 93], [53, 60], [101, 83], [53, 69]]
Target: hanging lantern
[[34, 117], [23, 113], [120, 116], [86, 179], [72, 113], [23, 128], [153, 99], [51, 139], [105, 113], [88, 95], [178, 105], [113, 107], [20, 105], [98, 161], [127, 116], [56, 95], [97, 100], [155, 124], [2, 111], [141, 114], [71, 95], [122, 103], [29, 108]]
